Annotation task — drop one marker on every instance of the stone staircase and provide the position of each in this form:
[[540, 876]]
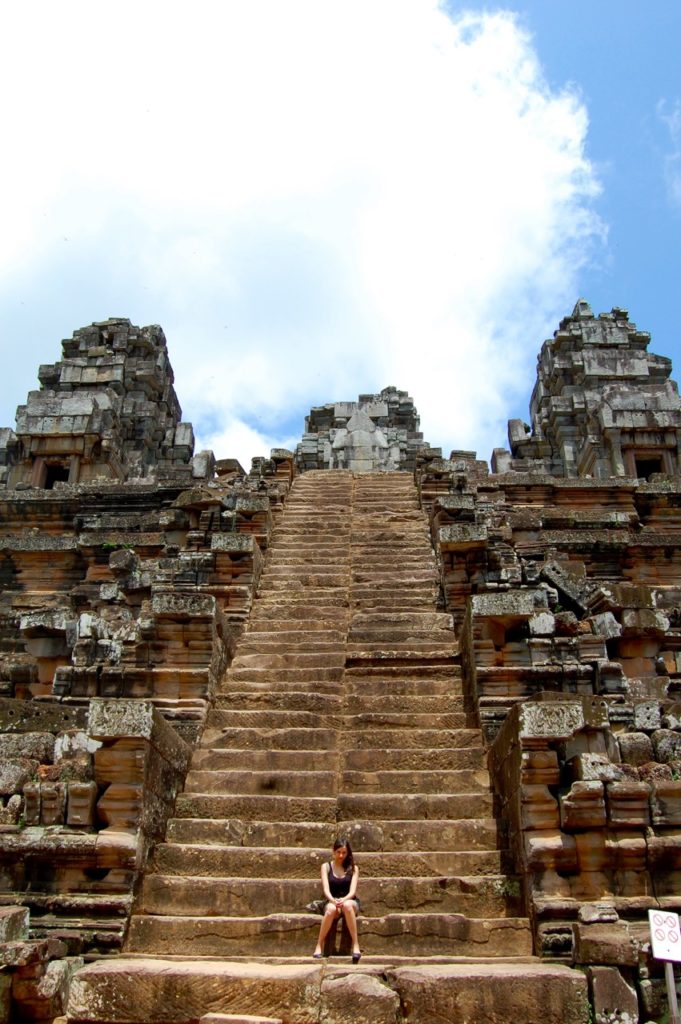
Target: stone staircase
[[341, 713]]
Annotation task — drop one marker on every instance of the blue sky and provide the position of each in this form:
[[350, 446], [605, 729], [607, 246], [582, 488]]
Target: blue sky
[[316, 200], [623, 57]]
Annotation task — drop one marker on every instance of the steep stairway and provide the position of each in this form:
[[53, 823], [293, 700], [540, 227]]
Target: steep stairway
[[340, 714]]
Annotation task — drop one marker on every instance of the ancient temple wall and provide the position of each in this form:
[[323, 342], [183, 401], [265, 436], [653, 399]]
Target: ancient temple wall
[[564, 588], [128, 565]]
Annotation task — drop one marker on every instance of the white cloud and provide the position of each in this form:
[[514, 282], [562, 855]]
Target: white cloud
[[672, 161], [314, 200]]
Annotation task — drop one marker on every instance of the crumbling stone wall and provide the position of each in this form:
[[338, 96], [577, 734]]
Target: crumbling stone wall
[[127, 570], [561, 570]]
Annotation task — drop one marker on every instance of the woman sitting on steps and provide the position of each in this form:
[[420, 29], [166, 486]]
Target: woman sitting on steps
[[339, 883]]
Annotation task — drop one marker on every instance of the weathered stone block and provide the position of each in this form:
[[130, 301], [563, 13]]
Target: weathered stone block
[[539, 808], [647, 715], [606, 625], [13, 924], [539, 767], [53, 803], [473, 993], [666, 745], [628, 804], [142, 992], [550, 851], [636, 748], [609, 944], [358, 999], [549, 721], [583, 807], [15, 774], [595, 768], [665, 803], [82, 797]]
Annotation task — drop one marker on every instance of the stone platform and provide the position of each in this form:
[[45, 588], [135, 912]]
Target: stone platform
[[377, 991]]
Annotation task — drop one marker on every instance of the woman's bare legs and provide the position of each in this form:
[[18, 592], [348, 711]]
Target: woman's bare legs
[[330, 915], [349, 910]]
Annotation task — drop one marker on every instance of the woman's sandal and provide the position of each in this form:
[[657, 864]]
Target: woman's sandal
[[317, 956], [356, 957]]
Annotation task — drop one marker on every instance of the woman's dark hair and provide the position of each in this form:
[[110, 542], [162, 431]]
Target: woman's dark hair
[[349, 861]]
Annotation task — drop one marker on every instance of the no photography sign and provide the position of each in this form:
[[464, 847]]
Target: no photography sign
[[665, 934]]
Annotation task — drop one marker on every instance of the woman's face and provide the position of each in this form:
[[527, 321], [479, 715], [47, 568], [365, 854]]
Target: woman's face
[[340, 853]]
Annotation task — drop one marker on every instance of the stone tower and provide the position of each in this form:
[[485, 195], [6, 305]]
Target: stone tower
[[602, 406], [377, 432], [106, 412]]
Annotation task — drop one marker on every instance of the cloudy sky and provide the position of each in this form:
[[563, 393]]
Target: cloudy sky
[[317, 199]]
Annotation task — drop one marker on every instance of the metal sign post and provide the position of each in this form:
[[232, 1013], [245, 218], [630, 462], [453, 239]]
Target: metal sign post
[[665, 935]]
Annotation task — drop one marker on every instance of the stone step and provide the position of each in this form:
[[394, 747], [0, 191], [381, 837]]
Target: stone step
[[408, 704], [293, 700], [230, 718], [238, 1018], [369, 596], [292, 643], [410, 560], [408, 721], [403, 759], [474, 842], [325, 598], [277, 862], [326, 517], [330, 687], [248, 674], [309, 542], [460, 780], [376, 688], [397, 575], [296, 614], [393, 650], [287, 783], [308, 559], [276, 934], [326, 530], [288, 660], [368, 806], [360, 673], [410, 738], [231, 831], [297, 575], [259, 760], [511, 989], [398, 633], [422, 620], [272, 739], [376, 594], [375, 545], [468, 847], [191, 896], [312, 588], [249, 807]]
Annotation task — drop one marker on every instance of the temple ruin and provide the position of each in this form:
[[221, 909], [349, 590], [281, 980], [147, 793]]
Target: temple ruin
[[207, 672]]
